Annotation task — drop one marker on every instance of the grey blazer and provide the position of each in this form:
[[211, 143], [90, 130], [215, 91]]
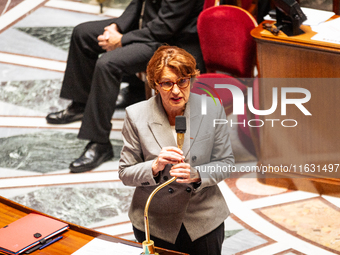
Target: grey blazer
[[145, 132]]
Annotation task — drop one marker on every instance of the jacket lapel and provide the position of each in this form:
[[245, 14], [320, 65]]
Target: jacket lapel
[[194, 120], [160, 126]]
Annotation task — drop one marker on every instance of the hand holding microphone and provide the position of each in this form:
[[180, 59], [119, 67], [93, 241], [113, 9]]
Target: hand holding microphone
[[173, 155], [168, 155]]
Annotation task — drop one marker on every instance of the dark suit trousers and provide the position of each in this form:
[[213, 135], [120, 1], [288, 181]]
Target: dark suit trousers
[[209, 244], [95, 79]]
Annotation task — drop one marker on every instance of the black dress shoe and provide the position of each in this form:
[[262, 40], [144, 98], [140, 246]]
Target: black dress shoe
[[128, 96], [131, 94], [74, 112], [94, 155]]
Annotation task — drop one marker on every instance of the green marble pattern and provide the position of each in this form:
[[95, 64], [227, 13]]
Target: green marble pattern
[[80, 205], [44, 151], [57, 36], [39, 95]]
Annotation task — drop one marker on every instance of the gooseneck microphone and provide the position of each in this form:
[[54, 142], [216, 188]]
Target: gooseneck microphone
[[148, 245], [180, 127]]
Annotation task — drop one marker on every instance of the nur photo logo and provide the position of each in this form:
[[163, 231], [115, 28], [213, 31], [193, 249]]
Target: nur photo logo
[[204, 98], [239, 101]]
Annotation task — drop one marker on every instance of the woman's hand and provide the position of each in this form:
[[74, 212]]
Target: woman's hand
[[184, 173], [168, 155]]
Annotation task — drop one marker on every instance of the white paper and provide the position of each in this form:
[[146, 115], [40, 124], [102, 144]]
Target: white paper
[[314, 17], [332, 26], [102, 247], [328, 31]]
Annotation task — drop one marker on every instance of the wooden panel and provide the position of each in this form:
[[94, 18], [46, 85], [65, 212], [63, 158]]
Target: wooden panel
[[73, 239], [315, 139], [277, 60], [71, 242]]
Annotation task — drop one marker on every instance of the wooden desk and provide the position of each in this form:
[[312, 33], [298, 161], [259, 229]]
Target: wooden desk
[[315, 140], [74, 238]]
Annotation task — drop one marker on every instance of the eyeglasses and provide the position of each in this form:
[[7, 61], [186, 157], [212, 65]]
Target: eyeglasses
[[181, 83]]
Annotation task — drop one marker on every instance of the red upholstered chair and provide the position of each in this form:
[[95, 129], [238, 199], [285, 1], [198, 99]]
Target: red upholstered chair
[[229, 52], [227, 46]]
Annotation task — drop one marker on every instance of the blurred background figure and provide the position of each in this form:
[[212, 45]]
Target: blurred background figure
[[125, 45]]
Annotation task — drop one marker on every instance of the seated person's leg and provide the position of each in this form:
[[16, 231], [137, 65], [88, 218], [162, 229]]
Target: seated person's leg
[[83, 54], [96, 124]]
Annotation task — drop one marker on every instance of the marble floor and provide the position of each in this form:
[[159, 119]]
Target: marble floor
[[34, 156]]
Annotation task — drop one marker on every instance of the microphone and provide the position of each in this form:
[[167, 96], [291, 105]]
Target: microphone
[[148, 245], [180, 127]]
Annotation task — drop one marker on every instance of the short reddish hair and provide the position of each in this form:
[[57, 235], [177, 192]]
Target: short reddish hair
[[173, 57]]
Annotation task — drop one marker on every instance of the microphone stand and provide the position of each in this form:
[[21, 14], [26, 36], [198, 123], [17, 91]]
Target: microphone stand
[[149, 245]]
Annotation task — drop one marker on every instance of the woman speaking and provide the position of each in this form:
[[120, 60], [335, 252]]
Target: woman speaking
[[187, 215]]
